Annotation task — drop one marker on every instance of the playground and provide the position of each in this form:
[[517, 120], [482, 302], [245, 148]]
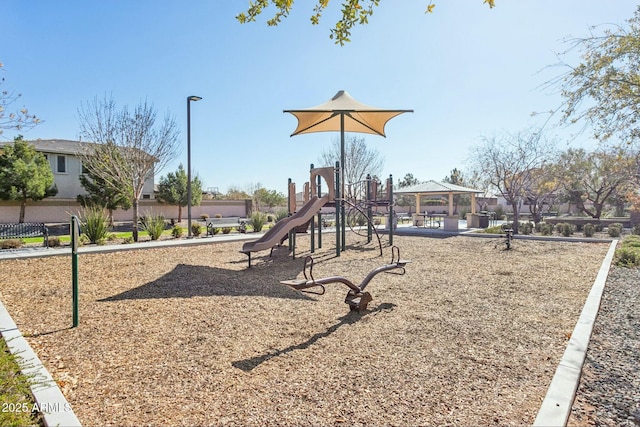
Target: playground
[[470, 335]]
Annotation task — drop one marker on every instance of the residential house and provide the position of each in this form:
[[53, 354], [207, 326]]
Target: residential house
[[67, 167]]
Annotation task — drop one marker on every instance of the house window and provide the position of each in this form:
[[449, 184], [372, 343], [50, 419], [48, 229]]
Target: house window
[[62, 164], [84, 169], [146, 196]]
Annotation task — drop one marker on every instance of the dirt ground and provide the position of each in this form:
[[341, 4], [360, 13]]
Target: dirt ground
[[470, 335]]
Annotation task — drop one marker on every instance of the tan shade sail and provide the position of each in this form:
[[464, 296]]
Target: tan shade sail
[[358, 117]]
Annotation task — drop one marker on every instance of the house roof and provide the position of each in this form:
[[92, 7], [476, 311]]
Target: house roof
[[58, 146], [434, 187]]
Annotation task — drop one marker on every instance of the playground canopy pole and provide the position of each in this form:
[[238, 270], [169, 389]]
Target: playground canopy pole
[[338, 204], [312, 222], [319, 213], [369, 210], [75, 226], [391, 210]]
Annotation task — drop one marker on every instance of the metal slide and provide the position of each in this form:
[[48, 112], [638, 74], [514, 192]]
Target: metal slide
[[273, 236]]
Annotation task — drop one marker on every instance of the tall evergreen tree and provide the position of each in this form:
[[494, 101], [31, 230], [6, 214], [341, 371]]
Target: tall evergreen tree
[[172, 190], [25, 174], [100, 193]]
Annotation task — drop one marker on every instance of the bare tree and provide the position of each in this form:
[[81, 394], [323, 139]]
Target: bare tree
[[20, 119], [360, 160], [129, 146], [510, 164]]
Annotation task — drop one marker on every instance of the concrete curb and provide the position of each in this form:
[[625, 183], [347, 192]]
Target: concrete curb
[[556, 406], [49, 400]]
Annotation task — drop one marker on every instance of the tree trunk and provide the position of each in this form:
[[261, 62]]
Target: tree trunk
[[135, 220], [23, 208], [516, 217], [179, 213]]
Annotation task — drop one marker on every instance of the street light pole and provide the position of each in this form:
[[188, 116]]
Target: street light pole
[[189, 99]]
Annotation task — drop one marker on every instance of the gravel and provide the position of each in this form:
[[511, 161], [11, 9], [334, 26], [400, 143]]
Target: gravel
[[609, 390]]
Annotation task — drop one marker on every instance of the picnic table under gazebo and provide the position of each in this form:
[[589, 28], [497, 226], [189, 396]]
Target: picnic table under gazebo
[[434, 188]]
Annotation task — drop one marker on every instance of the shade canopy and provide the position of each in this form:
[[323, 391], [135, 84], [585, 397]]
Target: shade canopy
[[342, 113], [436, 188]]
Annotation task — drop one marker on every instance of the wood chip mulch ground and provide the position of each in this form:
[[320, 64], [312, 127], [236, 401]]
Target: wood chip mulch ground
[[470, 335]]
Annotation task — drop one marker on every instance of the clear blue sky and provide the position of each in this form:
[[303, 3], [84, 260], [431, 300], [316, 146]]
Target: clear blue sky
[[466, 70]]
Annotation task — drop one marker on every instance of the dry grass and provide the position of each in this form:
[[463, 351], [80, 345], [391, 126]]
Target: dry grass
[[471, 334]]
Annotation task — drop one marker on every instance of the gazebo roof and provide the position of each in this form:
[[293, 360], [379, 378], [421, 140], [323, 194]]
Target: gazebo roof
[[434, 187]]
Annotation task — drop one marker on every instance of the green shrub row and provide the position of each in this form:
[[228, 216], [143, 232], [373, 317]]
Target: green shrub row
[[628, 252]]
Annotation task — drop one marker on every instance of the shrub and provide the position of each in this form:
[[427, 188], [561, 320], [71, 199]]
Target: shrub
[[94, 223], [217, 216], [567, 229], [128, 240], [494, 230], [538, 227], [628, 253], [12, 244], [54, 242], [525, 227], [599, 227], [204, 217], [257, 221], [589, 230], [154, 225], [196, 229], [636, 229], [177, 231], [627, 257], [632, 241], [546, 229], [614, 230], [226, 230], [215, 231], [283, 213], [500, 214]]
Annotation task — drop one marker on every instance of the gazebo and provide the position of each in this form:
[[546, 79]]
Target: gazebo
[[434, 188]]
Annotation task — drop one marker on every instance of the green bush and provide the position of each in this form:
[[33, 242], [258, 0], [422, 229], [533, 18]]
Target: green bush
[[538, 227], [599, 227], [54, 242], [636, 229], [566, 229], [196, 229], [628, 252], [493, 230], [525, 227], [94, 223], [127, 240], [589, 230], [632, 241], [281, 214], [257, 221], [500, 214], [627, 257], [614, 230], [154, 225], [177, 231], [546, 229], [226, 230]]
